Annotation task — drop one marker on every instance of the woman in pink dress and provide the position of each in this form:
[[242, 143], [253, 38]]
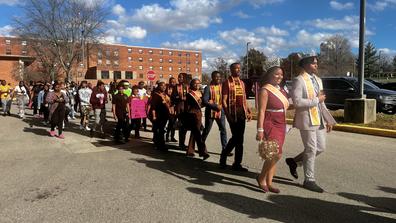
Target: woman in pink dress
[[271, 121]]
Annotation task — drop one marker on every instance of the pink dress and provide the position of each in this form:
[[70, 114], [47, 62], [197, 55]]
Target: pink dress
[[275, 122]]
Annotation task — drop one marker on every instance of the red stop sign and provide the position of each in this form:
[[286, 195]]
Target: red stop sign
[[151, 75]]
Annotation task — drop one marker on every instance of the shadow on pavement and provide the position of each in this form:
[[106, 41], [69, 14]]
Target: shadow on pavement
[[287, 208], [193, 170], [388, 190], [387, 204]]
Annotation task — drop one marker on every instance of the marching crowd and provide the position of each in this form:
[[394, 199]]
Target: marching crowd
[[177, 105]]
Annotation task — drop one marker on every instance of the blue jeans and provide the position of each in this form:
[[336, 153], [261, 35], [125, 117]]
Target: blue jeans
[[6, 103], [222, 128]]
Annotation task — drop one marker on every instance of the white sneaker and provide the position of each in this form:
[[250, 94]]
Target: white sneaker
[[87, 128]]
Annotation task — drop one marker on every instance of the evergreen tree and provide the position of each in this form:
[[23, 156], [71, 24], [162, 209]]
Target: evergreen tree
[[257, 60], [370, 60]]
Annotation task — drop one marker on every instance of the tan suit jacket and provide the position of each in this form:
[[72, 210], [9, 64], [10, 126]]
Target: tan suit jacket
[[302, 105]]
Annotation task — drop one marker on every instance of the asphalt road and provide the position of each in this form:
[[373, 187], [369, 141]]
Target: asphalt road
[[83, 179]]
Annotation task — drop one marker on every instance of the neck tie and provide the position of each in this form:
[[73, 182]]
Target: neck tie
[[315, 84]]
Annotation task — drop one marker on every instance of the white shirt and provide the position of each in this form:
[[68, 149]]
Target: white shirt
[[21, 91], [142, 92]]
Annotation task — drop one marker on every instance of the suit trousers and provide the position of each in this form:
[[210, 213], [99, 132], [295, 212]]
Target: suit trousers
[[314, 144], [236, 141], [221, 124]]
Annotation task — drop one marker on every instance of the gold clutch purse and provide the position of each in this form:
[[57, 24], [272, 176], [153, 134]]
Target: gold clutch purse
[[268, 149]]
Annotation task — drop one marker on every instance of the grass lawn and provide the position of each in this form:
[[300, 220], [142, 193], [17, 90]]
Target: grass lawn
[[384, 121]]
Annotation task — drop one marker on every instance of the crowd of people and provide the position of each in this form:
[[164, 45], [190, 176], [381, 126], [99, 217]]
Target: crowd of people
[[177, 105]]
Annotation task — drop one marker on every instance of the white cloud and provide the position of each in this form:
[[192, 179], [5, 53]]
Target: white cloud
[[310, 40], [11, 2], [118, 10], [347, 23], [340, 6], [242, 15], [381, 5], [181, 15], [387, 51], [240, 36], [6, 30], [272, 31], [207, 45], [259, 3], [118, 30]]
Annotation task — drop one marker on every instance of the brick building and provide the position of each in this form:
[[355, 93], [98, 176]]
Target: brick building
[[105, 62]]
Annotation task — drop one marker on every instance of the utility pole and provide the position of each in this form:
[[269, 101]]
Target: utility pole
[[362, 28], [247, 60]]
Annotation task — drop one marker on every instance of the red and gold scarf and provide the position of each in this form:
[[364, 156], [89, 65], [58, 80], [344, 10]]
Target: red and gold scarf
[[196, 97], [213, 96], [232, 106], [182, 90]]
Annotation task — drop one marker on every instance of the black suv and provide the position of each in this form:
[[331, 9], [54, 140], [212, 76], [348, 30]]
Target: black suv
[[337, 89]]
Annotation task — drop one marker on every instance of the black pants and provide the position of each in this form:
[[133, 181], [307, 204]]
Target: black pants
[[170, 130], [236, 141], [45, 111], [144, 123], [135, 125], [196, 133], [57, 118], [159, 133], [122, 124], [35, 105]]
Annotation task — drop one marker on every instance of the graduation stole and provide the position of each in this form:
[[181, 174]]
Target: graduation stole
[[232, 106], [314, 111], [182, 91], [213, 95], [279, 95], [196, 97]]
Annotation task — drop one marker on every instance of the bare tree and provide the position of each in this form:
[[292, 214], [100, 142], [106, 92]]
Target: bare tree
[[220, 65], [336, 57], [63, 27]]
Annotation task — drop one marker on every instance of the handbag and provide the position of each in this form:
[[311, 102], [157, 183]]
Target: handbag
[[268, 149]]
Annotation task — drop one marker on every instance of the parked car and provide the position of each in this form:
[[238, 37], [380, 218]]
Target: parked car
[[376, 83], [390, 86], [337, 89]]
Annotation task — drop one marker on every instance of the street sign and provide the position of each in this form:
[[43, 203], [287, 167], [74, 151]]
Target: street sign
[[151, 75]]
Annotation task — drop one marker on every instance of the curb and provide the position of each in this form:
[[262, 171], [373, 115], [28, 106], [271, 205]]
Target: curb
[[360, 130]]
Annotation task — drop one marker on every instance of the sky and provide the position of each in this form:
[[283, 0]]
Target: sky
[[222, 28]]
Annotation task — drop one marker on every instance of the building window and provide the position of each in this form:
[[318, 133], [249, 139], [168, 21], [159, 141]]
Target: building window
[[116, 63], [197, 62], [129, 59], [141, 75], [188, 62], [8, 41], [117, 75], [161, 76], [140, 51], [129, 50], [161, 68], [129, 66], [99, 61], [170, 75], [179, 68], [140, 67], [128, 75], [170, 60], [150, 59], [161, 52], [151, 67], [150, 51], [140, 59], [161, 60], [170, 53], [99, 54], [196, 69], [179, 62], [170, 68], [196, 55], [105, 74], [115, 53], [107, 53], [8, 51], [24, 42], [108, 62], [187, 55], [24, 52], [188, 69], [180, 54]]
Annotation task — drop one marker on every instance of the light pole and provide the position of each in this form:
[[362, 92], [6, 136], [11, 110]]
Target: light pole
[[362, 30], [379, 64], [247, 60]]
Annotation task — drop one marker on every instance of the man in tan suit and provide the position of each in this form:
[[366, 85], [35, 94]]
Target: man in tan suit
[[312, 119]]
